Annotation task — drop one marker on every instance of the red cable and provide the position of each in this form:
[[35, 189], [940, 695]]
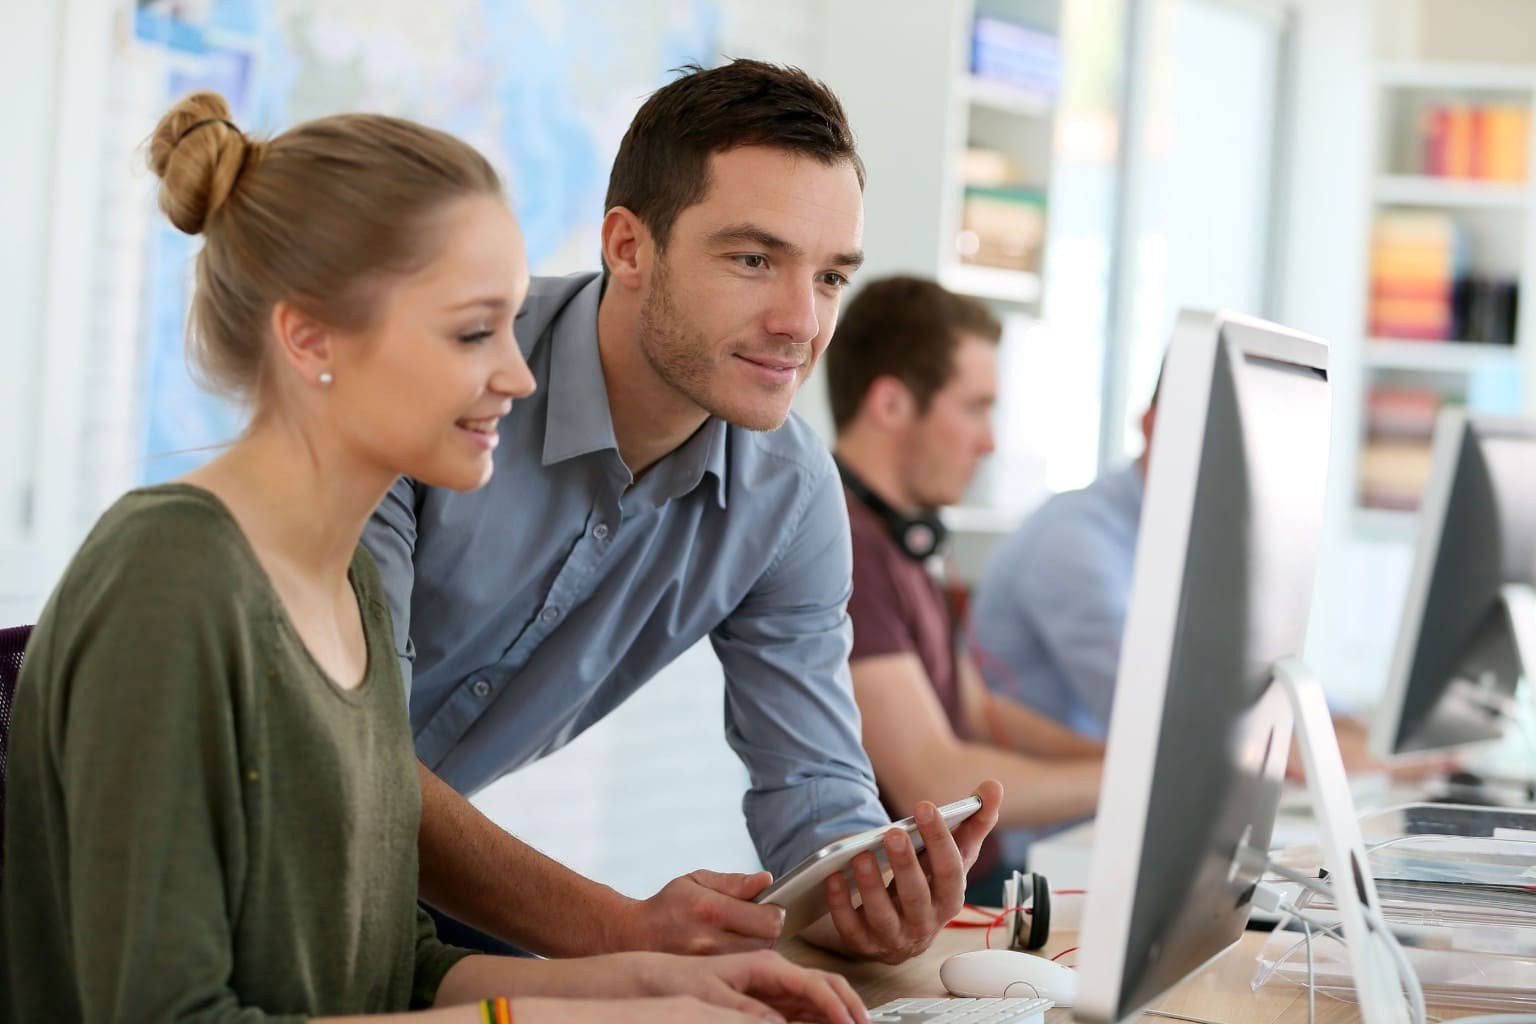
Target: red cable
[[993, 922], [989, 924]]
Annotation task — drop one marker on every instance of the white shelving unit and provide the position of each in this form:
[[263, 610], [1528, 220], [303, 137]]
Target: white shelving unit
[[1007, 99], [1437, 356], [1499, 222], [919, 63], [995, 284], [1453, 193]]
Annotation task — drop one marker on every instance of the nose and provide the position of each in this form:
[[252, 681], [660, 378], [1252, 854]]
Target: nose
[[512, 376], [988, 438], [793, 314]]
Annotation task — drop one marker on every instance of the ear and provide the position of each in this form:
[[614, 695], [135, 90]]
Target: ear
[[889, 403], [303, 343], [628, 248], [1148, 421]]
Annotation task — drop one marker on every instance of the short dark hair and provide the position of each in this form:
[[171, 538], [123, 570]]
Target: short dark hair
[[902, 327], [663, 163]]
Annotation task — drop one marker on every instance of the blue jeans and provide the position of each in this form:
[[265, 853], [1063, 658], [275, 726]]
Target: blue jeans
[[456, 933]]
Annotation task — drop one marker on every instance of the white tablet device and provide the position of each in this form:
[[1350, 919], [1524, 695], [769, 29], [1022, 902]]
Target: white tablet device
[[803, 891]]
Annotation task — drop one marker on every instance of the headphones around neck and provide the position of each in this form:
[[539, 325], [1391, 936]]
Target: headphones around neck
[[919, 535]]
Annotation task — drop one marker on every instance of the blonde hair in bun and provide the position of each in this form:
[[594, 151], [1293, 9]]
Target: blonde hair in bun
[[319, 217], [198, 154]]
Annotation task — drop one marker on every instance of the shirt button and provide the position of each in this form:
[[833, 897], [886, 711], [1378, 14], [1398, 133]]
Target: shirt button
[[600, 531], [550, 614], [480, 688]]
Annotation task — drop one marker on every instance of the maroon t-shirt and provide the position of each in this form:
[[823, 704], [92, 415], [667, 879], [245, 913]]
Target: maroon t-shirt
[[898, 608]]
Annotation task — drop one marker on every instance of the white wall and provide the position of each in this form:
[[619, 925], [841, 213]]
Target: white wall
[[1361, 581], [52, 73]]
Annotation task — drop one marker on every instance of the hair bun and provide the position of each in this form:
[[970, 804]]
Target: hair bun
[[197, 154]]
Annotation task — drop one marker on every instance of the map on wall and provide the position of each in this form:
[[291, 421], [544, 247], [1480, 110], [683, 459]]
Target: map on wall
[[544, 89]]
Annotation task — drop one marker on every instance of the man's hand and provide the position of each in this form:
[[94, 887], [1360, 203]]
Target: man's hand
[[704, 912], [1354, 738], [900, 920]]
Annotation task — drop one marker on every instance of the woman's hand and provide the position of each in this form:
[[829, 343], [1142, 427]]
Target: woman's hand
[[762, 985], [755, 986], [670, 1010]]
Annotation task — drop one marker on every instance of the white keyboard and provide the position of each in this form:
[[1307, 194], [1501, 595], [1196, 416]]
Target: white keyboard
[[961, 1011]]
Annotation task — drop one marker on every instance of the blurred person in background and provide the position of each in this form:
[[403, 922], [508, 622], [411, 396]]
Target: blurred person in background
[[912, 378]]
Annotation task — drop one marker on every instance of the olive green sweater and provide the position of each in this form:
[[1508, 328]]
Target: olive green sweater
[[200, 825]]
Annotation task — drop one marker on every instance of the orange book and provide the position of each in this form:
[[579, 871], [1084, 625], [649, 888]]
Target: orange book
[[1411, 265], [1410, 318], [1434, 126], [1413, 289], [1460, 141], [1502, 143]]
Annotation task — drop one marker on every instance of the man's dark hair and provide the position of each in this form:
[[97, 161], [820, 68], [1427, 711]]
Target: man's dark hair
[[663, 162], [902, 327]]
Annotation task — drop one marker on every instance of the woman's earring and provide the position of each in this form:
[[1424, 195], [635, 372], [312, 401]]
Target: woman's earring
[[325, 378]]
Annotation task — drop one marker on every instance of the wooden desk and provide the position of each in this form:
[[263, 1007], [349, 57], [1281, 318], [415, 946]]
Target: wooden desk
[[1219, 993]]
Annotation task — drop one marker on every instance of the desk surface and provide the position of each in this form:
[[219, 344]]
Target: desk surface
[[1219, 993]]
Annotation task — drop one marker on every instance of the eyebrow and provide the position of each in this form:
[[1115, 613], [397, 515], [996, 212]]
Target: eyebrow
[[772, 242], [490, 302]]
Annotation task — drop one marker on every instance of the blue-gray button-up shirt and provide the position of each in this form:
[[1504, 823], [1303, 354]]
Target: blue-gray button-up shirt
[[528, 609], [1047, 617]]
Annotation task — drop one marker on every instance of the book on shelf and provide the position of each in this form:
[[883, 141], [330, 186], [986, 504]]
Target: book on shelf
[[1421, 289], [1393, 473], [1483, 310], [1015, 55], [1395, 459], [1002, 227], [1416, 258], [1402, 413], [1483, 141]]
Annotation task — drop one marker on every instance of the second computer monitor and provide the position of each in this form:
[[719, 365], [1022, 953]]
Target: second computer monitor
[[1456, 666], [1199, 734]]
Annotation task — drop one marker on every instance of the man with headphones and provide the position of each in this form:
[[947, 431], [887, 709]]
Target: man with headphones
[[912, 380]]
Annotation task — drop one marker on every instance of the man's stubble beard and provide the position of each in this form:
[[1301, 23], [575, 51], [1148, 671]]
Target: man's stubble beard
[[678, 356]]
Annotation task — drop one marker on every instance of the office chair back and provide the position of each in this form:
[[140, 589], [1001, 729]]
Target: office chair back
[[13, 642]]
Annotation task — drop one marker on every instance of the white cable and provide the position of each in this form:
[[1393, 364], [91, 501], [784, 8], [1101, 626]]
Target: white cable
[[1405, 972], [1179, 1016], [1306, 929], [1379, 931]]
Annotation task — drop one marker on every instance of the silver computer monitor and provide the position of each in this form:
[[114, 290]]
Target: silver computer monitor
[[1199, 732], [1457, 663]]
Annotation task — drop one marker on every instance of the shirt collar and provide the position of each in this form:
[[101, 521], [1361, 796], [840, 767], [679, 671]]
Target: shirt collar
[[716, 433], [577, 420], [684, 469]]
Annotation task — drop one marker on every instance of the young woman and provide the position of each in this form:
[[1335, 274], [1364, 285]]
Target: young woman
[[212, 800]]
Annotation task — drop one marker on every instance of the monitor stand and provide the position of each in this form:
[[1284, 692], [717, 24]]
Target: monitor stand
[[1519, 600], [1376, 982]]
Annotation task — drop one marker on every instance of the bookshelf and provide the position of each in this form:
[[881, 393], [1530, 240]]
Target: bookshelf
[[959, 185], [1450, 270]]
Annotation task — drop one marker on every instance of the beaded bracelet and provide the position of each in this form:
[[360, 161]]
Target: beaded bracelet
[[496, 1011]]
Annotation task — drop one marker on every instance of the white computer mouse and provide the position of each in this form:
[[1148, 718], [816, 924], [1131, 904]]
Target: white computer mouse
[[987, 973]]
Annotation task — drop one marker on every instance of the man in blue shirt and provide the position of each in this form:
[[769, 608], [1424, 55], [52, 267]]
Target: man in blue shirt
[[1047, 616], [652, 493]]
